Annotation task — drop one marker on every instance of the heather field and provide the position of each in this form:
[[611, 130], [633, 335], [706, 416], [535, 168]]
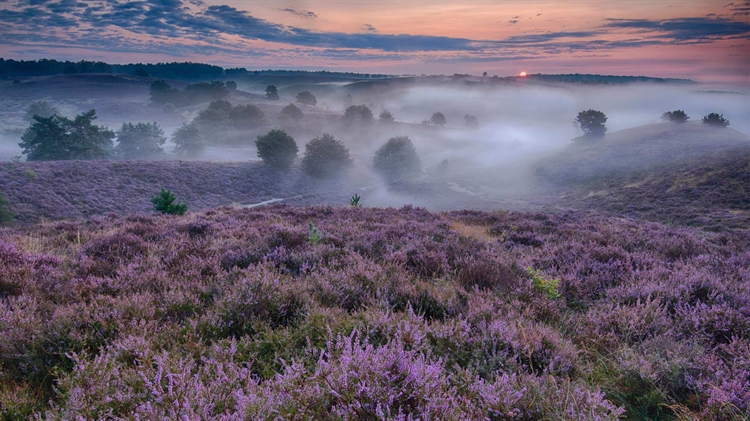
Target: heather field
[[356, 313]]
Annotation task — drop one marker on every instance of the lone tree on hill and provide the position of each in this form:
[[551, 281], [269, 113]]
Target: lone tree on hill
[[140, 140], [357, 114], [386, 117], [291, 111], [716, 120], [325, 156], [592, 123], [470, 121], [397, 158], [677, 116], [60, 138], [438, 119], [306, 98], [166, 202], [277, 149], [188, 140], [271, 93], [40, 108]]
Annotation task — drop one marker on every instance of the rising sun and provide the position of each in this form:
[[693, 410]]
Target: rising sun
[[522, 74]]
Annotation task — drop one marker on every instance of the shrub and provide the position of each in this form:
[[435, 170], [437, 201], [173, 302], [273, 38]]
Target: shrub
[[277, 149], [325, 156], [40, 108], [140, 140], [6, 214], [272, 93], [354, 201], [291, 111], [386, 117], [166, 203], [357, 114], [470, 121], [246, 116], [60, 138], [544, 285], [397, 158], [592, 123], [305, 97], [438, 119], [677, 116], [716, 120], [188, 140]]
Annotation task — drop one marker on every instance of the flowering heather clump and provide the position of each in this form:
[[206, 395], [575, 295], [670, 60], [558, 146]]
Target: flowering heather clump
[[394, 314]]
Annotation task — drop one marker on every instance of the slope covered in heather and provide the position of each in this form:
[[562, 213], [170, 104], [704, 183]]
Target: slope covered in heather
[[381, 313]]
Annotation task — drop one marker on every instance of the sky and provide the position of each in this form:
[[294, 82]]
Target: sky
[[704, 40]]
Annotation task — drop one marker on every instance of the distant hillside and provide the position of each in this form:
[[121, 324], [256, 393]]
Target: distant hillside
[[679, 174]]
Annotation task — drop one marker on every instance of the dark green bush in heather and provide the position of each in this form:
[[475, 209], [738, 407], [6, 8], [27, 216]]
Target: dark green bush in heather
[[307, 98], [6, 214], [715, 120], [188, 140], [677, 116], [277, 149], [40, 108], [397, 159], [357, 114], [325, 156], [166, 202], [60, 138], [140, 140], [592, 123], [291, 112]]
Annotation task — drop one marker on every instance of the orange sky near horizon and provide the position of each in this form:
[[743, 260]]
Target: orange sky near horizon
[[702, 40]]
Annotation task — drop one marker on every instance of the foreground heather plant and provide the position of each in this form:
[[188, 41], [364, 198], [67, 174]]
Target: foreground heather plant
[[392, 314]]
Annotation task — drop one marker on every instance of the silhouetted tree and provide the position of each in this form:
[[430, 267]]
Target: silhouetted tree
[[306, 98], [677, 116], [271, 93], [60, 138], [40, 108], [386, 117], [325, 156], [166, 202], [140, 140], [592, 123], [358, 114], [292, 112], [231, 85], [246, 116], [188, 140], [470, 122], [716, 120], [484, 74], [277, 149], [438, 119], [397, 158]]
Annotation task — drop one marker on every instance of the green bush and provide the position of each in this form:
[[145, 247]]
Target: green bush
[[246, 116], [6, 214], [438, 119], [277, 149], [325, 156], [166, 202], [397, 158], [716, 120]]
